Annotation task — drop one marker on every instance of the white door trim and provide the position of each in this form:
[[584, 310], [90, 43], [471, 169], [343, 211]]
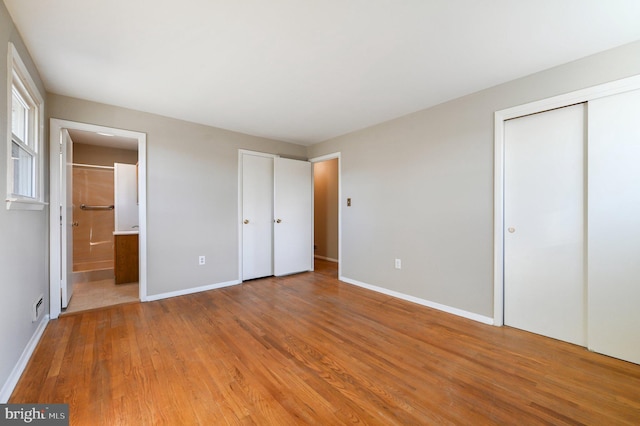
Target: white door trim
[[55, 127], [579, 96], [318, 160]]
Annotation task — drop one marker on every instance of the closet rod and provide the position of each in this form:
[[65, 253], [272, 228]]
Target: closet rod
[[92, 166]]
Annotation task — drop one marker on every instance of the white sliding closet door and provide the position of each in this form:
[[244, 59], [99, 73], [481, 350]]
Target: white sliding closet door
[[293, 228], [544, 214], [257, 216], [614, 226]]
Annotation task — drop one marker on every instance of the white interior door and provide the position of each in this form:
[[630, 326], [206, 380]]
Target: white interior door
[[544, 211], [293, 228], [257, 216], [614, 226], [66, 222]]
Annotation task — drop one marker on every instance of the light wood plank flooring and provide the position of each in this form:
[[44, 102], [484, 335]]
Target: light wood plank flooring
[[98, 289], [308, 349]]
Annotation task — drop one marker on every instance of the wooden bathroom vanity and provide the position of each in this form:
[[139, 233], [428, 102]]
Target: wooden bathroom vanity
[[126, 256]]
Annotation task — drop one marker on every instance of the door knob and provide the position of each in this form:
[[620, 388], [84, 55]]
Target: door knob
[[75, 224], [246, 221], [511, 230], [278, 220]]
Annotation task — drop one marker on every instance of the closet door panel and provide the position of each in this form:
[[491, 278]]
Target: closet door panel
[[614, 226], [544, 219], [293, 226], [257, 216]]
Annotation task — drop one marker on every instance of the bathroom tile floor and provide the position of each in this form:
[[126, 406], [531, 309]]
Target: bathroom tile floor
[[99, 293]]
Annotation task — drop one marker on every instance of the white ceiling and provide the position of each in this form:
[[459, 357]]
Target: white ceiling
[[103, 139], [305, 70]]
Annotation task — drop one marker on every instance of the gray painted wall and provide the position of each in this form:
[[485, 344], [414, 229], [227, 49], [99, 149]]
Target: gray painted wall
[[192, 191], [24, 235], [422, 187]]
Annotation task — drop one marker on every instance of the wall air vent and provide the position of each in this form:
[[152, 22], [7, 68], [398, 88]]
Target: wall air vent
[[38, 307]]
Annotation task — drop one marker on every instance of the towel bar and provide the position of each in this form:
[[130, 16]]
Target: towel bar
[[85, 207]]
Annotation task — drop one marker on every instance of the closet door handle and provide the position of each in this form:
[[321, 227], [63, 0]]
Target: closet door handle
[[278, 220], [246, 221]]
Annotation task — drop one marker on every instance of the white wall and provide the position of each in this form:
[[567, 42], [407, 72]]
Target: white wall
[[192, 191], [23, 236], [422, 187]]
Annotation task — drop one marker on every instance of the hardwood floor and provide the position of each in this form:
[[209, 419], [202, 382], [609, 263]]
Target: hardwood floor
[[308, 349]]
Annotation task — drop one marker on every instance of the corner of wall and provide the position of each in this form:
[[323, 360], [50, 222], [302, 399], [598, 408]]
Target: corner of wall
[[11, 382]]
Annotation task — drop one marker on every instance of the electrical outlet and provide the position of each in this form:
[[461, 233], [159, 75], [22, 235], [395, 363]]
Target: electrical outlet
[[398, 264], [201, 260]]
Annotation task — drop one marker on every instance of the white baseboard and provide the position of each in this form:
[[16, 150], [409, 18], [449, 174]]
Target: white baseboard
[[191, 290], [329, 259], [12, 380], [423, 302]]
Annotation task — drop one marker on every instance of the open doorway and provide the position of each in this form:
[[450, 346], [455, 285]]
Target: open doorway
[[104, 171], [87, 167], [326, 213]]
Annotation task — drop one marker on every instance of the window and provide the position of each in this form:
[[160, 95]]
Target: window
[[24, 168]]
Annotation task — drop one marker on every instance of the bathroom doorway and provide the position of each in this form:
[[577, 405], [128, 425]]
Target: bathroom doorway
[[87, 166], [96, 159]]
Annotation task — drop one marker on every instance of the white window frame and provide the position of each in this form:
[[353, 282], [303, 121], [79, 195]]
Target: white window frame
[[20, 79]]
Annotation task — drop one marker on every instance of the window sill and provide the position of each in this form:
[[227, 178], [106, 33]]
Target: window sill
[[24, 204]]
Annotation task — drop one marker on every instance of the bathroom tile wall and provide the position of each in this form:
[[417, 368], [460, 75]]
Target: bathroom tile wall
[[92, 186]]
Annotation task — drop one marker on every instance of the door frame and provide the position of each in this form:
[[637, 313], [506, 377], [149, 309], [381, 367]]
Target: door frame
[[55, 174], [579, 96], [319, 160]]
